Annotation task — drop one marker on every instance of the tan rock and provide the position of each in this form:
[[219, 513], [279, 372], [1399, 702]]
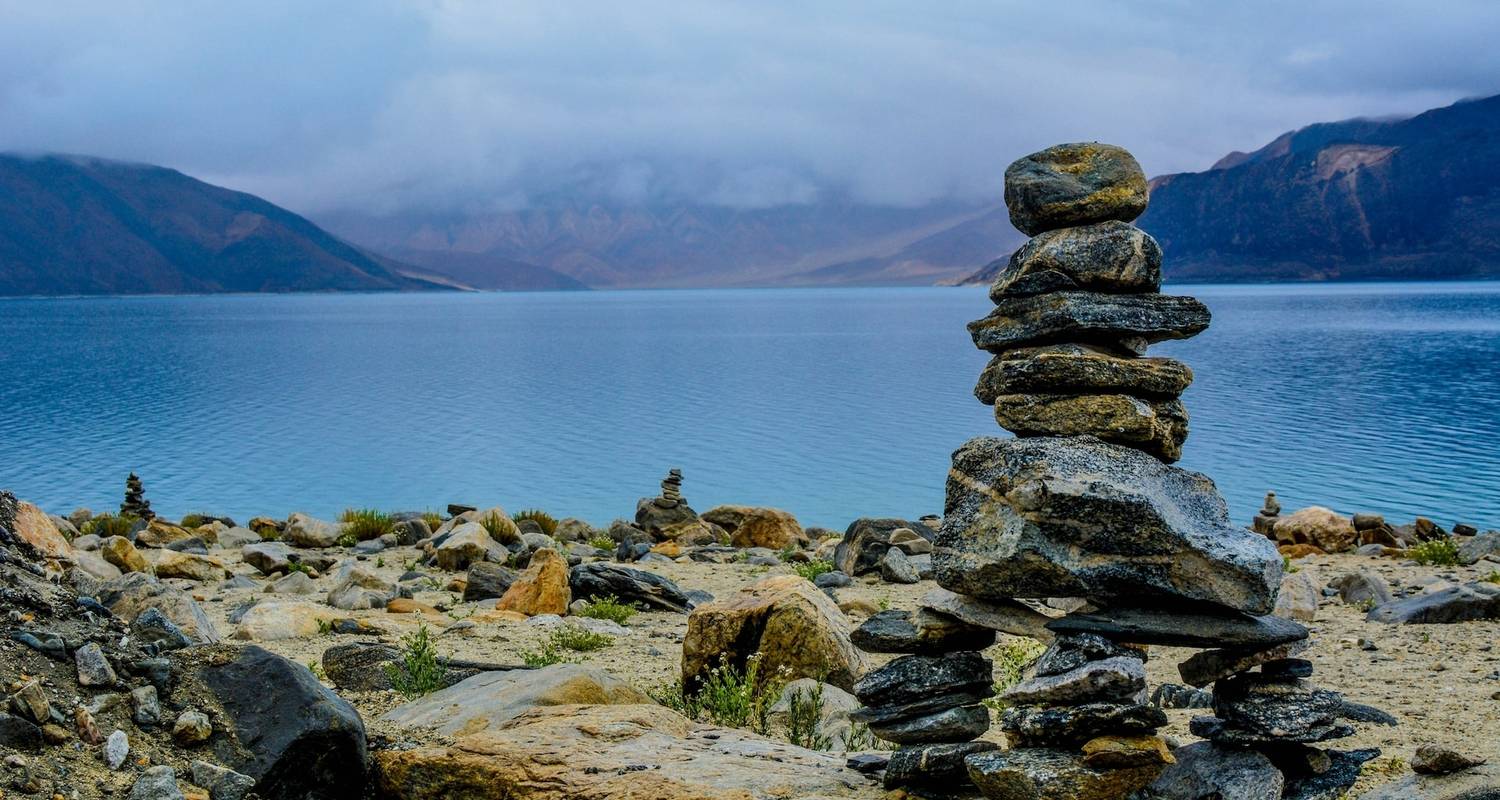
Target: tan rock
[[269, 622], [406, 605], [1296, 551], [161, 534], [1298, 598], [1158, 427], [671, 548], [541, 589], [1317, 526], [794, 626], [119, 551], [490, 699], [468, 543], [1115, 752], [751, 526], [36, 529], [193, 567]]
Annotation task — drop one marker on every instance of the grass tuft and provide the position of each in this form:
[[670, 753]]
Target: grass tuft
[[602, 542], [545, 521], [608, 607], [419, 673], [107, 525], [1438, 552], [812, 569], [804, 714], [1011, 660], [362, 524]]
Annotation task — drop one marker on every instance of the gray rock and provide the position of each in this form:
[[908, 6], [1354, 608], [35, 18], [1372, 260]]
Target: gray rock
[[1068, 653], [1471, 601], [832, 580], [1150, 626], [1110, 256], [895, 567], [866, 542], [909, 679], [895, 632], [1175, 695], [153, 627], [933, 766], [116, 749], [1114, 679], [1359, 712], [145, 708], [1033, 773], [305, 531], [632, 586], [1077, 517], [1080, 369], [1129, 321], [293, 583], [128, 596], [1049, 726], [950, 725], [1362, 588], [192, 728], [1480, 546], [236, 538], [1332, 783], [925, 707], [1207, 666], [156, 783], [1479, 783], [268, 557], [1005, 615], [360, 666], [221, 783], [1074, 184], [1206, 771], [486, 580], [1432, 759], [410, 531], [93, 668], [356, 589], [1290, 709]]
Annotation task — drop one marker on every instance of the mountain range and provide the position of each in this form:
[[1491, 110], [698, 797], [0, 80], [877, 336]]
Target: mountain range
[[1412, 198]]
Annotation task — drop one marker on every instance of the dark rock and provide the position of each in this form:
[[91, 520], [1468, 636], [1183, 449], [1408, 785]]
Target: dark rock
[[627, 585], [1431, 759], [925, 707], [1153, 626], [1158, 427], [660, 521], [1291, 709], [911, 678], [951, 725], [894, 632], [486, 580], [895, 567], [153, 627], [1175, 695], [866, 541], [19, 734], [832, 580], [1359, 712], [192, 544], [1215, 729], [1078, 517], [1048, 726], [360, 666], [867, 763], [1044, 774], [1131, 321], [1080, 369], [410, 531], [1471, 601], [1332, 783], [1287, 668], [1206, 771], [1207, 666], [1074, 184], [1113, 679], [1112, 256], [1068, 653], [936, 766], [1014, 617]]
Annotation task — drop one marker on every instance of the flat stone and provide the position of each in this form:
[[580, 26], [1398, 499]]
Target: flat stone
[[1479, 546], [1005, 615], [1044, 774], [17, 733], [1432, 759], [1287, 668], [894, 631], [951, 725], [936, 766], [1215, 729], [926, 707], [1479, 783], [1078, 517], [1276, 707], [1131, 321], [1207, 666], [1362, 588], [1070, 725], [1471, 601], [1205, 770], [896, 567], [1158, 427], [911, 678], [627, 585], [1152, 626], [1068, 653], [1334, 782], [1074, 184], [1359, 712], [1118, 752], [1080, 369], [1110, 256], [1113, 679]]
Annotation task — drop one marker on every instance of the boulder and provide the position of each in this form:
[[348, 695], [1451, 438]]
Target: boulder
[[1479, 546], [189, 566], [1320, 527], [305, 531], [866, 542], [633, 586], [268, 557], [1478, 783], [572, 529], [1131, 321], [1158, 427], [489, 700], [1046, 774], [1205, 770], [541, 589], [749, 526], [356, 589], [1476, 600], [235, 538], [1110, 256], [128, 596], [294, 583], [34, 527], [1080, 369], [788, 621], [118, 550], [1074, 184], [466, 544], [1078, 517], [895, 567], [298, 742], [486, 581], [1298, 598], [275, 621]]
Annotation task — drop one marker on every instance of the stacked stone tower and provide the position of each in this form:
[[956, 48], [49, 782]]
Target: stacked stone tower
[[136, 505], [1084, 504]]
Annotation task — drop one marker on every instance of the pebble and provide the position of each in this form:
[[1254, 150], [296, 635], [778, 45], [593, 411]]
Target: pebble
[[93, 667], [191, 728], [116, 749]]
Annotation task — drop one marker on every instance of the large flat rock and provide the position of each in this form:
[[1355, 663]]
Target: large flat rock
[[1133, 320]]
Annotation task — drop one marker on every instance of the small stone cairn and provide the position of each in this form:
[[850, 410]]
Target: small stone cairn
[[1270, 511], [136, 505], [671, 490], [1084, 504]]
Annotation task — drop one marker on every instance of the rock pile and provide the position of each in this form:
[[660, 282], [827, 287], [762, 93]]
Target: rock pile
[[136, 505], [1265, 521], [671, 489], [1084, 504]]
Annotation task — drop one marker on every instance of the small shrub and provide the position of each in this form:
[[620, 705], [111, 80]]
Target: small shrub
[[325, 627], [545, 657], [602, 542], [812, 569], [1288, 567], [737, 698], [672, 696], [317, 670], [361, 524], [1011, 660], [608, 607], [499, 528], [433, 519], [579, 639], [545, 521], [860, 737], [1493, 577], [194, 521], [788, 552], [1438, 552], [107, 525], [804, 714], [419, 673]]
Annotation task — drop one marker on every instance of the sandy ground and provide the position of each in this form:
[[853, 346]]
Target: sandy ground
[[1441, 681]]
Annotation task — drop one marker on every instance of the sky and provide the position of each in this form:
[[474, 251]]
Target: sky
[[387, 106]]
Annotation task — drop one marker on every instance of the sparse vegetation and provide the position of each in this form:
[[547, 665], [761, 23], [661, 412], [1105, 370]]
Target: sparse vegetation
[[107, 525], [860, 737], [1288, 567], [602, 542], [419, 673], [812, 569], [545, 521], [731, 697], [317, 670], [499, 527], [804, 714], [433, 519], [545, 657], [1493, 577], [579, 639], [361, 524], [1011, 658], [1438, 552], [195, 521], [608, 607]]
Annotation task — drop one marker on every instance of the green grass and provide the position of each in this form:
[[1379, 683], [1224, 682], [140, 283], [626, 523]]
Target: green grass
[[579, 639], [813, 569], [419, 673], [362, 524], [500, 528], [433, 519], [195, 521], [602, 542], [804, 714], [1011, 660], [1438, 552], [545, 521], [729, 696], [1493, 577], [608, 607], [107, 525], [545, 657]]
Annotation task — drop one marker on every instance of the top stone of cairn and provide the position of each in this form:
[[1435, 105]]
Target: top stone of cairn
[[1074, 184]]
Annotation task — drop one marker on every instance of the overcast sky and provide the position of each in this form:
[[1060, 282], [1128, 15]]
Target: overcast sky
[[383, 105]]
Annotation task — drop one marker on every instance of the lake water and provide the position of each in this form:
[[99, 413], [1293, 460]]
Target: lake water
[[832, 404]]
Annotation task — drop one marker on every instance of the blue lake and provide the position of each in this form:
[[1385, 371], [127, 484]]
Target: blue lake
[[832, 404]]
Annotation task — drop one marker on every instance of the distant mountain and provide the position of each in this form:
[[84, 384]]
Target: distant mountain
[[821, 243], [74, 225], [1415, 198]]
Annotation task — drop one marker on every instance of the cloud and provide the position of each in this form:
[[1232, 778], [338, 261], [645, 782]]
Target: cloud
[[459, 105]]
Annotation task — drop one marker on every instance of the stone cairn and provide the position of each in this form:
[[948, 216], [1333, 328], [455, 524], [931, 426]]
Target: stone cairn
[[671, 490], [1083, 505], [1265, 521], [136, 505]]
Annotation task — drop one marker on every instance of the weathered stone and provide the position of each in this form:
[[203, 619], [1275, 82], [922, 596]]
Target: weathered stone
[[360, 666], [1207, 666], [490, 700], [93, 668], [950, 725], [1478, 783], [1333, 782], [1205, 771], [145, 706], [1432, 759], [1317, 526], [1175, 695], [158, 533], [1158, 427], [189, 566], [925, 707], [1234, 736], [1118, 752], [1480, 546], [1043, 774], [118, 551], [294, 583], [1476, 600], [1078, 517], [221, 783], [32, 703], [487, 580], [19, 734], [895, 567], [866, 541], [1185, 629], [268, 557], [787, 620], [356, 589], [306, 531], [1074, 184], [1080, 369], [634, 586], [1298, 598], [934, 766], [1005, 615], [128, 596], [275, 621], [1049, 726], [1130, 321], [153, 627], [1069, 653], [895, 632], [156, 783], [192, 728], [34, 527], [1114, 679], [1362, 588], [909, 679], [541, 589], [1108, 256], [465, 545], [1286, 708], [750, 526]]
